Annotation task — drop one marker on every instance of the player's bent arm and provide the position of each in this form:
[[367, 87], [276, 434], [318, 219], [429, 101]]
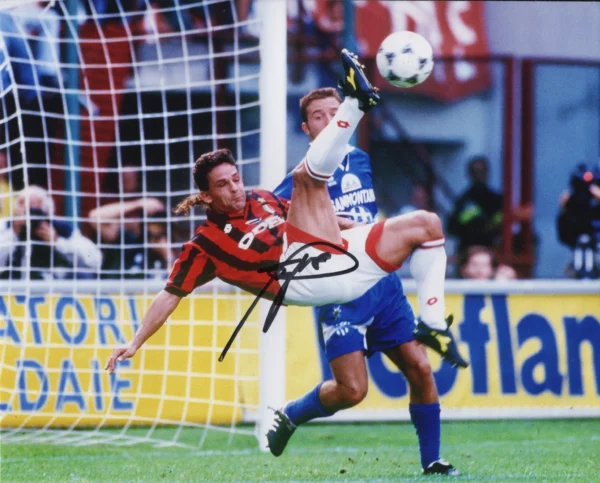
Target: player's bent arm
[[159, 311]]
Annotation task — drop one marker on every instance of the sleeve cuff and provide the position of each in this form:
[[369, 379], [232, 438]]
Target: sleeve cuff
[[176, 291]]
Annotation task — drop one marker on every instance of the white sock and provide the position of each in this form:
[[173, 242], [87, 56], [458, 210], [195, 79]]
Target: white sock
[[428, 267], [328, 149]]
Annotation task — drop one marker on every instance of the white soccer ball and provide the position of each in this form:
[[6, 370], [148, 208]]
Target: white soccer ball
[[405, 59]]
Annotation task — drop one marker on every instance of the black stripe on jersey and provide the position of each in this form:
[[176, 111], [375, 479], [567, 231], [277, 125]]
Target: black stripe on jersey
[[176, 291], [275, 234], [185, 266], [214, 250], [257, 245], [207, 273]]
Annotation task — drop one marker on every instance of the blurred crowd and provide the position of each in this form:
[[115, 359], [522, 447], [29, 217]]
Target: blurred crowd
[[578, 221], [118, 236], [123, 232], [130, 240], [476, 222]]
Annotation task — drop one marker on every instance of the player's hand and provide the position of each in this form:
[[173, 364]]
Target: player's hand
[[119, 354]]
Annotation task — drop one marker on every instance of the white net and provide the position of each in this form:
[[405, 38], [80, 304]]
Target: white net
[[104, 105]]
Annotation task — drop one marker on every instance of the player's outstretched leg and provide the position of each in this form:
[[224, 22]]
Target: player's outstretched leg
[[347, 389], [311, 209], [420, 234], [328, 149]]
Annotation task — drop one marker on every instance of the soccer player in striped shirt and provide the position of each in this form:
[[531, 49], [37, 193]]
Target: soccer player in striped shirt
[[252, 240], [379, 321]]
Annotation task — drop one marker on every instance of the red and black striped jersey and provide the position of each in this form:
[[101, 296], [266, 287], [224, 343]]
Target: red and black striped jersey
[[233, 247]]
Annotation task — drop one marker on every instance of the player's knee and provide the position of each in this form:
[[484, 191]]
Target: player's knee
[[353, 395], [430, 224], [419, 368]]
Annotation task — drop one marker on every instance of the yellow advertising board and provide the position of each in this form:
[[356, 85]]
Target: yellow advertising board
[[54, 349], [529, 354]]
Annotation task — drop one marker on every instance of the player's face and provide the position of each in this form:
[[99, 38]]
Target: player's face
[[225, 189], [318, 114]]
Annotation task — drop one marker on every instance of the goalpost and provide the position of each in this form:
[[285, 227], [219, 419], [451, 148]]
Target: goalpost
[[110, 108]]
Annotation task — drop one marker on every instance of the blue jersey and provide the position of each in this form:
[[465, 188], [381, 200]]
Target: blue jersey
[[350, 188], [352, 196]]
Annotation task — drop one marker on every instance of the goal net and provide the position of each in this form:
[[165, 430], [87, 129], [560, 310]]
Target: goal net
[[104, 105]]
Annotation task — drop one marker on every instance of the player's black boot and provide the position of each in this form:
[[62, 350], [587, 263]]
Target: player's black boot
[[441, 341], [441, 467], [281, 432], [355, 83]]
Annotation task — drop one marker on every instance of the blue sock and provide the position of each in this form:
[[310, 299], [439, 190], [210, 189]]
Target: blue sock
[[426, 420], [306, 408]]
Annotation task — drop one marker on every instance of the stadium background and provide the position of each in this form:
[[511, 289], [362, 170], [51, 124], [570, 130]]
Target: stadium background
[[529, 99]]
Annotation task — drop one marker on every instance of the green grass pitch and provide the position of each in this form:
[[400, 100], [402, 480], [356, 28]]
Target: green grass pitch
[[533, 450]]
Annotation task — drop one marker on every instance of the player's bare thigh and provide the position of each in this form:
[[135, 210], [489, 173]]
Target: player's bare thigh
[[310, 208], [403, 233]]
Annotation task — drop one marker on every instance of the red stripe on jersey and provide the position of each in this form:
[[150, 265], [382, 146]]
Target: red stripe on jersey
[[192, 269], [235, 248]]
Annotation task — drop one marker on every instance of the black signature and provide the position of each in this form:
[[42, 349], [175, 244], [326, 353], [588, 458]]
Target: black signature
[[279, 271]]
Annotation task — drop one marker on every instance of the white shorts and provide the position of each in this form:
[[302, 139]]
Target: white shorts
[[330, 275]]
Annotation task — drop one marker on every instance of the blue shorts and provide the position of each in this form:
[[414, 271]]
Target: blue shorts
[[377, 321]]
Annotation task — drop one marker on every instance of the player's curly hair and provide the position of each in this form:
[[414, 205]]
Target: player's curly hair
[[202, 168], [321, 93]]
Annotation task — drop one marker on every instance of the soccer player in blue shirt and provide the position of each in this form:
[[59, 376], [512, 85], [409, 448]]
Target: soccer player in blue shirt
[[380, 320]]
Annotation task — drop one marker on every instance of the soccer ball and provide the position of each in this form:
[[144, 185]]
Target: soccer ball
[[405, 59]]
